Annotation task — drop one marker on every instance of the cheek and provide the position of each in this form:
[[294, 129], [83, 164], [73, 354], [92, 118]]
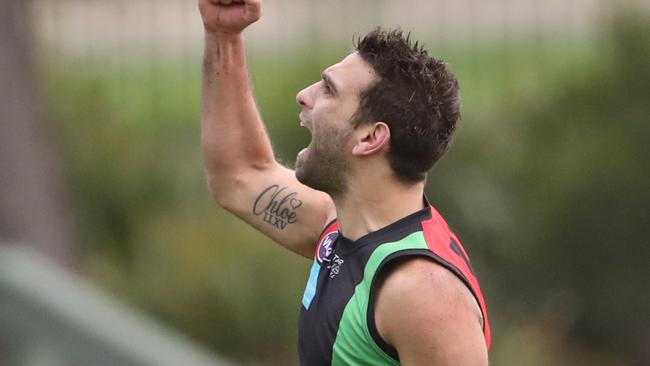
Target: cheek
[[335, 140], [331, 126]]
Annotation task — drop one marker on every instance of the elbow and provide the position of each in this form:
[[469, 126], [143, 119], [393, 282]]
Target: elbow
[[228, 186], [224, 189]]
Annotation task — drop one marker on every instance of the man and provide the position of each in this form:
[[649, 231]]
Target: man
[[389, 283]]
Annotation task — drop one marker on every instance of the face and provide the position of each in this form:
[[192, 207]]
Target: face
[[327, 108]]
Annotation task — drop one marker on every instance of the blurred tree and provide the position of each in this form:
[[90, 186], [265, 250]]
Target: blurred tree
[[579, 255], [33, 205]]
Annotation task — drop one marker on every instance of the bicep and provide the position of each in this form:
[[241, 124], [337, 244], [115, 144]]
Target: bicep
[[430, 316], [277, 204]]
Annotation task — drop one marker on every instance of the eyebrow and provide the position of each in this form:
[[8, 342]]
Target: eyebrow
[[326, 78]]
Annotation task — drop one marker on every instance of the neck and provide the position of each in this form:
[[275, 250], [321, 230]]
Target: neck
[[368, 207]]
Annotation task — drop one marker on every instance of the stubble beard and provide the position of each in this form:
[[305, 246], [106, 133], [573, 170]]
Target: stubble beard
[[325, 168]]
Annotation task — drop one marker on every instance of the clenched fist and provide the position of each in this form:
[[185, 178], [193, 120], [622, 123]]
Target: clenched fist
[[229, 16]]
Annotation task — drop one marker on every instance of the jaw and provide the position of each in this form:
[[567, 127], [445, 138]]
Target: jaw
[[323, 168]]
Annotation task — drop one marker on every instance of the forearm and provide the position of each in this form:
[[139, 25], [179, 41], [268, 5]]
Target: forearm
[[233, 134]]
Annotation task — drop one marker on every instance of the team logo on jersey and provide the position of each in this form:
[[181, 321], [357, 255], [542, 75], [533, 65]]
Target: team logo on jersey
[[326, 247], [335, 266]]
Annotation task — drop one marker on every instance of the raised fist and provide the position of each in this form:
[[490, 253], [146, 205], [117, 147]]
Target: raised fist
[[229, 16]]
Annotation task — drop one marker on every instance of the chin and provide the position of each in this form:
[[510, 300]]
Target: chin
[[298, 167], [302, 173], [300, 176]]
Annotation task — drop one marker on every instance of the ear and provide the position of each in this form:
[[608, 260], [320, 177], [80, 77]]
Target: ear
[[371, 138]]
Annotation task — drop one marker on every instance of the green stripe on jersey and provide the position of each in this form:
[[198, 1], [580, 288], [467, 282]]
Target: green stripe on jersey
[[353, 344]]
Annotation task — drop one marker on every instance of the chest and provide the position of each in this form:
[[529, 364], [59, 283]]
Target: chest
[[332, 282]]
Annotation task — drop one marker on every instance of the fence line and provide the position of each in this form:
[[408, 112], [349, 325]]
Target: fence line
[[173, 26]]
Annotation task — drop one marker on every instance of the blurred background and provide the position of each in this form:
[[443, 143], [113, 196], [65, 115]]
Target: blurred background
[[547, 184]]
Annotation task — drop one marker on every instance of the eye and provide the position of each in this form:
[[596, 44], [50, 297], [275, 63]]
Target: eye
[[326, 89]]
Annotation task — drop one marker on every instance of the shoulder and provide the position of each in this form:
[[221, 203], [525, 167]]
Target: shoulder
[[427, 313], [427, 285]]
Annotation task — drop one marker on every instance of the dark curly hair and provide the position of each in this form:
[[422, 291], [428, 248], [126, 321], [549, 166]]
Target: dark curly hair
[[415, 94]]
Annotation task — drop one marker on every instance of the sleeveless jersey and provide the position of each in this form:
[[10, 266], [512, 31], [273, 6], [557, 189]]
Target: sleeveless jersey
[[337, 325]]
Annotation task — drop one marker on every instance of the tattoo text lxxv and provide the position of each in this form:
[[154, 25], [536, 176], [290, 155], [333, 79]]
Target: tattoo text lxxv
[[277, 206]]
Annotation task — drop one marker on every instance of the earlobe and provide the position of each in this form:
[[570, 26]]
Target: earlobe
[[374, 138]]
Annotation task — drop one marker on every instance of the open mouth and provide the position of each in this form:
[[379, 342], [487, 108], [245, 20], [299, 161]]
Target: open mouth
[[303, 153], [304, 121]]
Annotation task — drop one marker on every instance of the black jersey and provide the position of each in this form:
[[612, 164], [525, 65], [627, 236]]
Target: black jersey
[[337, 324]]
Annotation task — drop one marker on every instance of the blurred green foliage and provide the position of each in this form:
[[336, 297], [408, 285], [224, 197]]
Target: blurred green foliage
[[547, 186]]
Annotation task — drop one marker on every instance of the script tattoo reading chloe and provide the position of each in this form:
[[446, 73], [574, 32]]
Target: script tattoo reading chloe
[[277, 206]]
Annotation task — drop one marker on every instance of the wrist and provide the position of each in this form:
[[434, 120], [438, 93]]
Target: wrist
[[224, 52], [223, 37]]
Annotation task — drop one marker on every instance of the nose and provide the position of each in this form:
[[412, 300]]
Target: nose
[[304, 97]]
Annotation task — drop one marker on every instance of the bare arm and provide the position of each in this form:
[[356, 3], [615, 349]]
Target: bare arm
[[243, 174], [430, 316]]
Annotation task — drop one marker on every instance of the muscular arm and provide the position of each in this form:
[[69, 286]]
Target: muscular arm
[[233, 135], [242, 172], [430, 316]]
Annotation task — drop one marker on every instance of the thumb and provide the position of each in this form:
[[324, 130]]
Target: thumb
[[252, 10]]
